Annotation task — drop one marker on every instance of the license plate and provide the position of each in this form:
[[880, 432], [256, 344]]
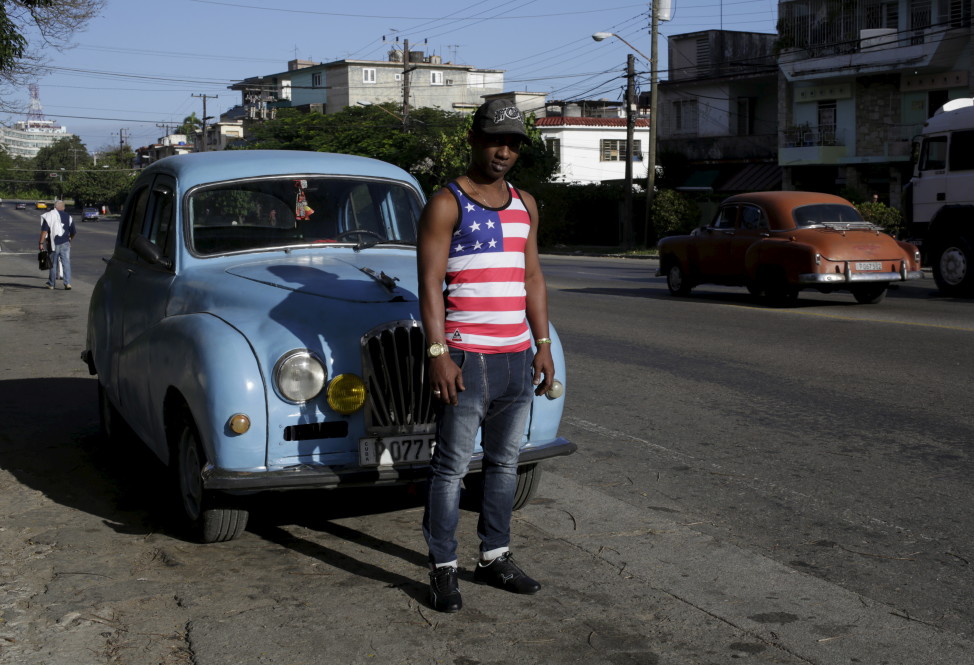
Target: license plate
[[868, 265], [393, 451]]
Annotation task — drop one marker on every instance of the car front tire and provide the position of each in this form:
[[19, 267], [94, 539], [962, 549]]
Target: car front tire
[[209, 516], [676, 280]]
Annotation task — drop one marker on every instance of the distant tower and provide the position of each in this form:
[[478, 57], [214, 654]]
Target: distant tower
[[36, 111]]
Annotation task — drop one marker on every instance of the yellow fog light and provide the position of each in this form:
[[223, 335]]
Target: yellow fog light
[[556, 390], [346, 393], [239, 423]]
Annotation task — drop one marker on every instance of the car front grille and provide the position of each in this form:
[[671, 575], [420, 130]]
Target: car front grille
[[399, 398]]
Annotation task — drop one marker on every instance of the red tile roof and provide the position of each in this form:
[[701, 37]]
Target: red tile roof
[[556, 121]]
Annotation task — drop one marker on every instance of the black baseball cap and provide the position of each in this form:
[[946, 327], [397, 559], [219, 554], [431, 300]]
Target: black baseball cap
[[499, 116]]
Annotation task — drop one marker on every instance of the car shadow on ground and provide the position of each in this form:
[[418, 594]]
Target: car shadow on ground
[[806, 298], [51, 443]]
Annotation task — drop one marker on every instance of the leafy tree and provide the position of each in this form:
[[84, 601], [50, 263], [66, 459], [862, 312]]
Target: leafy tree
[[434, 149], [28, 27], [190, 124], [53, 163], [105, 183], [878, 213], [673, 213]]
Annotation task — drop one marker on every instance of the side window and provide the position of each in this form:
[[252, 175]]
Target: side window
[[753, 219], [135, 216], [962, 151], [933, 154], [726, 218], [161, 211]]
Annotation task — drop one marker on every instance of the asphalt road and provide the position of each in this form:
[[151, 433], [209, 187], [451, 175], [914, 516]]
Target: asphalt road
[[752, 484]]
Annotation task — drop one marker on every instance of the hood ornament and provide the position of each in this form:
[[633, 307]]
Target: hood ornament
[[389, 283]]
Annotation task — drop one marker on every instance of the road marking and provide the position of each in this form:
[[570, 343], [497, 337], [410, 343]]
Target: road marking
[[869, 320]]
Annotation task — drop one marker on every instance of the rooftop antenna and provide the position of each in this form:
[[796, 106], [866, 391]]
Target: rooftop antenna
[[36, 111]]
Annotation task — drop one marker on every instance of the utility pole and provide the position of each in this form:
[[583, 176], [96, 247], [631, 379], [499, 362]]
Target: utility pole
[[627, 235], [205, 118], [121, 138], [405, 84], [653, 115]]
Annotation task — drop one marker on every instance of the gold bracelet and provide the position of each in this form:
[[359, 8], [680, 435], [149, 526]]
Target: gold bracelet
[[543, 340]]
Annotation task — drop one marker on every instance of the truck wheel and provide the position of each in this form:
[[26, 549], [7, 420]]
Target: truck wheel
[[676, 280], [210, 517], [870, 294], [952, 267], [528, 481]]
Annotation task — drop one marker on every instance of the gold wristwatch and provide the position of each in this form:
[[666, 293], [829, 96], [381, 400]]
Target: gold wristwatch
[[436, 349]]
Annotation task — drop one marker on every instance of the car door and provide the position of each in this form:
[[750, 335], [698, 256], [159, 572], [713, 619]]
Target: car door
[[714, 243], [752, 225], [144, 297]]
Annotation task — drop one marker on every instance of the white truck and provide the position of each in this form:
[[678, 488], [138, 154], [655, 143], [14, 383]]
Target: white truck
[[939, 200]]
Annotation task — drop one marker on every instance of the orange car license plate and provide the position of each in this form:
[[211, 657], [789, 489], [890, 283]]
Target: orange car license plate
[[866, 266], [393, 451]]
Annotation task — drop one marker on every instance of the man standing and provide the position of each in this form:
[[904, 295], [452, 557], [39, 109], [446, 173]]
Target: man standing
[[479, 236], [57, 227]]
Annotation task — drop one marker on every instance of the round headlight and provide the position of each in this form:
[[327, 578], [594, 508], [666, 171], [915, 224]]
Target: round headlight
[[299, 376], [346, 393]]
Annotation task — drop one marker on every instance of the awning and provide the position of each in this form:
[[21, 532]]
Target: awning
[[699, 181], [754, 178]]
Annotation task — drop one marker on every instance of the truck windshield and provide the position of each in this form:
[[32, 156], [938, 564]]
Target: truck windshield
[[274, 213]]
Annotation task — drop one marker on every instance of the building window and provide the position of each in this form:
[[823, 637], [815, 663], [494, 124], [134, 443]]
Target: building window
[[686, 116], [285, 91], [316, 80], [826, 123], [614, 150], [436, 78], [745, 116], [368, 75], [554, 147]]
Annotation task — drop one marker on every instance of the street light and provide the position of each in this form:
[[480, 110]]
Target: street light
[[654, 116]]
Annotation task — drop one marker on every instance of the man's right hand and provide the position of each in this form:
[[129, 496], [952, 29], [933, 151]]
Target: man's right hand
[[446, 379]]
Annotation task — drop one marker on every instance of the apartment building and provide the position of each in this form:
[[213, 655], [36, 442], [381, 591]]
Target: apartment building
[[858, 80], [330, 87]]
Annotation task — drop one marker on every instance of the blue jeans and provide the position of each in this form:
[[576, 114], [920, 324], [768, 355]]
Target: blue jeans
[[497, 400], [62, 251]]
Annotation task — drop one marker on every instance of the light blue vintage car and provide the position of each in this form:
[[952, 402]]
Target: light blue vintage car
[[257, 326]]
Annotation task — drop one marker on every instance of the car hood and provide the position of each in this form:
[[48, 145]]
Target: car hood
[[365, 277]]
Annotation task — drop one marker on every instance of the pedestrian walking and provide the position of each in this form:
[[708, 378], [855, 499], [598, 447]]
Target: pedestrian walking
[[478, 235], [57, 232]]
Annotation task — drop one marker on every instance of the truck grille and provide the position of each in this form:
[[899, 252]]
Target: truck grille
[[399, 398]]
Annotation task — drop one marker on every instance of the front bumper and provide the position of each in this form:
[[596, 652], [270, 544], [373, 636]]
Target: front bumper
[[330, 477]]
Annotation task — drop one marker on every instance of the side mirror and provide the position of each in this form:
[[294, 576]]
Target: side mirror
[[150, 252]]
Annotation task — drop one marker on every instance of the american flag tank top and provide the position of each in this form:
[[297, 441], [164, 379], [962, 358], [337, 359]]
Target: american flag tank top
[[485, 296]]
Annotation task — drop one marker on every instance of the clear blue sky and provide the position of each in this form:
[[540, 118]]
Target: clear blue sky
[[139, 63]]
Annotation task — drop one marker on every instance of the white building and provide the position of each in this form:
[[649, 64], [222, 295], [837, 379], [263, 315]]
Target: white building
[[593, 150], [27, 137]]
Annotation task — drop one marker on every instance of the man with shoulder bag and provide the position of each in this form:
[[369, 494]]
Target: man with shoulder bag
[[57, 232]]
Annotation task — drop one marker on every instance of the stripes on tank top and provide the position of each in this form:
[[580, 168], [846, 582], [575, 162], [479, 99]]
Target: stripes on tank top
[[485, 295]]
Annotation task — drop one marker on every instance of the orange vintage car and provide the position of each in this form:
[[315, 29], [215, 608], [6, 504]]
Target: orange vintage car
[[777, 243]]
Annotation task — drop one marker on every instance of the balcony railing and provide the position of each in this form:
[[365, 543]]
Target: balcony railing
[[812, 135]]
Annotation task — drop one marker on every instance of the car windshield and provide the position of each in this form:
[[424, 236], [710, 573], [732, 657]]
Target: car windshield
[[820, 214], [273, 213]]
